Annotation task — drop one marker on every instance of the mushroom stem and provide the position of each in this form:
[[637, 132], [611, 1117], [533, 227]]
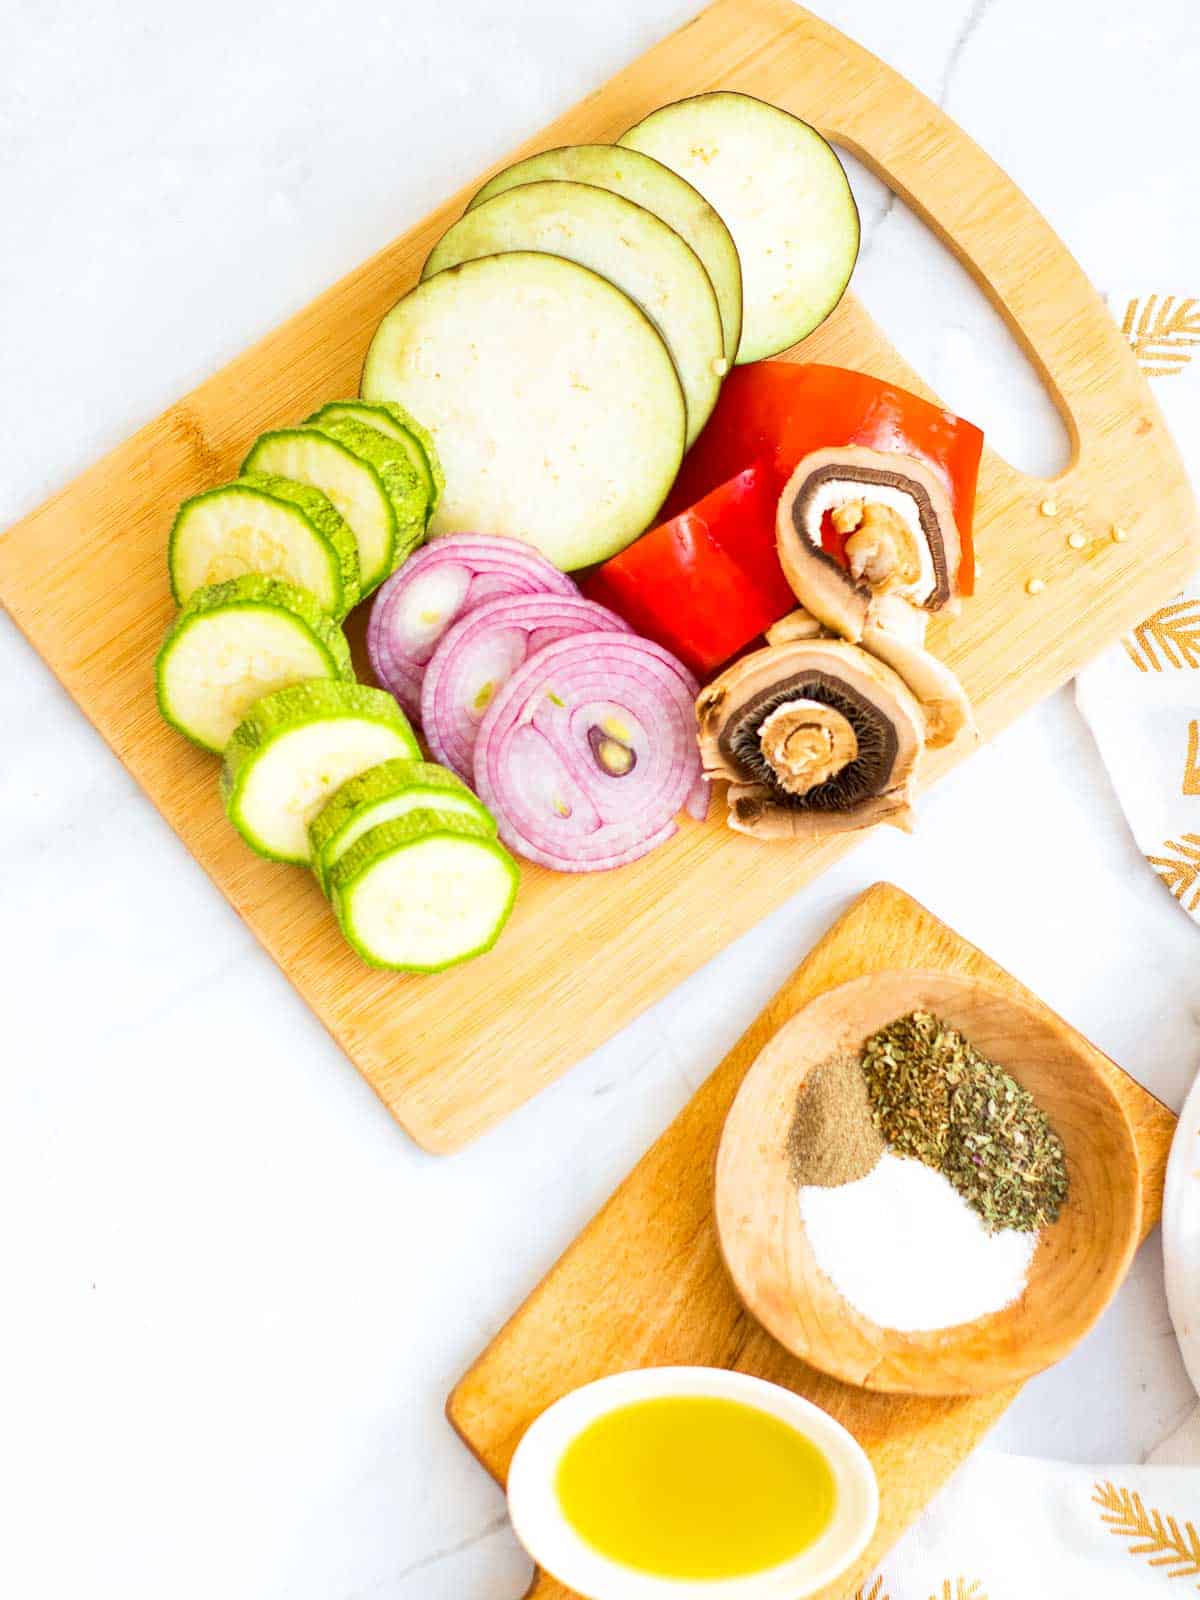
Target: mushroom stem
[[881, 549], [798, 624], [807, 743]]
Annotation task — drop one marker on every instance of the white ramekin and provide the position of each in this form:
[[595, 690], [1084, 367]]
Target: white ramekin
[[540, 1525]]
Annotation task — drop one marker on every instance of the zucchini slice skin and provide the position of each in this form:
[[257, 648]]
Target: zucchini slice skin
[[350, 482], [640, 178], [785, 197], [392, 789], [403, 482], [294, 749], [552, 399], [391, 876], [241, 615], [266, 524], [393, 420], [623, 242]]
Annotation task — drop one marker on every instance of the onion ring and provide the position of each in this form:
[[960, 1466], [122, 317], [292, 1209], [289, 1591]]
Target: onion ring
[[480, 652], [588, 752], [437, 585]]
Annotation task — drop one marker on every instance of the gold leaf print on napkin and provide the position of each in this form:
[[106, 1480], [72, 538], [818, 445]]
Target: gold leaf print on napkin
[[1162, 332], [1163, 1543], [1171, 638], [875, 1592], [952, 1589], [1191, 770], [1180, 871], [962, 1590]]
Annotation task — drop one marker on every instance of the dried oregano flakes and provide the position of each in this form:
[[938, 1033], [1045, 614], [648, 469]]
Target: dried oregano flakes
[[935, 1097]]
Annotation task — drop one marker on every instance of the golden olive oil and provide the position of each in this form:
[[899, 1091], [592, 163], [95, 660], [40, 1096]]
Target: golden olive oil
[[694, 1486]]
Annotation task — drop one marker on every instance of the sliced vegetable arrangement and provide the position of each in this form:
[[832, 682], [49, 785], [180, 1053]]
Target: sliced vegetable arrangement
[[728, 224], [567, 353]]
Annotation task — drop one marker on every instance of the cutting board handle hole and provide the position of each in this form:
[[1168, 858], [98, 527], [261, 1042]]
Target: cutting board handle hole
[[943, 324]]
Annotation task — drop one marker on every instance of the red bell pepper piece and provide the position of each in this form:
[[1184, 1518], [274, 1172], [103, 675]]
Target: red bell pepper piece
[[776, 412], [706, 583]]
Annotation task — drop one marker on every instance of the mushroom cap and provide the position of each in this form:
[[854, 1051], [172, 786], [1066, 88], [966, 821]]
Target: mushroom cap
[[822, 585], [798, 624], [888, 726], [895, 634]]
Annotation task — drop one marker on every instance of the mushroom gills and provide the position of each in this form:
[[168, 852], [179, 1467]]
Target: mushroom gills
[[812, 737], [857, 526]]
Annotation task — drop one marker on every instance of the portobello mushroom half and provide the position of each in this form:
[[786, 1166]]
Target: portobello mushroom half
[[855, 525], [813, 736]]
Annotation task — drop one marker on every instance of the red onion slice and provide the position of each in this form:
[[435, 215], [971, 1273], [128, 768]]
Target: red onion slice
[[436, 586], [588, 752], [697, 801], [482, 650]]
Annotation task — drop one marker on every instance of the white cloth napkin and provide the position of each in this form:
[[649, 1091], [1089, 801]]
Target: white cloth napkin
[[1141, 698], [1011, 1528]]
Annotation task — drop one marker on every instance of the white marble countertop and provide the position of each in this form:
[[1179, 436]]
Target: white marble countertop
[[235, 1295]]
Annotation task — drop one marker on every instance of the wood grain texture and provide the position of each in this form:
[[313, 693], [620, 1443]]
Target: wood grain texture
[[583, 956], [644, 1284], [1079, 1263]]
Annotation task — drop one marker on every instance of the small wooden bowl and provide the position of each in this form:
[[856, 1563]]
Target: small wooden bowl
[[1078, 1264]]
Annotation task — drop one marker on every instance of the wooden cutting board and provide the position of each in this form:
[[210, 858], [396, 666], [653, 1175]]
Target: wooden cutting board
[[644, 1284], [84, 578]]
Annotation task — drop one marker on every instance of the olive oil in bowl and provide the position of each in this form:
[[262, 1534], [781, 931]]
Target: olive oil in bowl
[[696, 1482], [695, 1486]]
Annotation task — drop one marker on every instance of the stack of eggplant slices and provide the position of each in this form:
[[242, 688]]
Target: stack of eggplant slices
[[584, 359]]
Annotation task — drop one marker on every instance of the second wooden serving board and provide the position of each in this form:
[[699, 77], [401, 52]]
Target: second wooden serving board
[[644, 1285], [84, 577]]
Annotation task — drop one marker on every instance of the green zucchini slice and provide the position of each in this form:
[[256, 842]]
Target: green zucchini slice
[[235, 642], [392, 789], [392, 420], [295, 748], [269, 525], [424, 892], [369, 479]]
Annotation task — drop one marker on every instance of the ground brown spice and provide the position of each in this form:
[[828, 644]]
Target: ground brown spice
[[833, 1138]]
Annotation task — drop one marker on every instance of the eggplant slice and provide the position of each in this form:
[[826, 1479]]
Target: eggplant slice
[[901, 540], [813, 736]]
